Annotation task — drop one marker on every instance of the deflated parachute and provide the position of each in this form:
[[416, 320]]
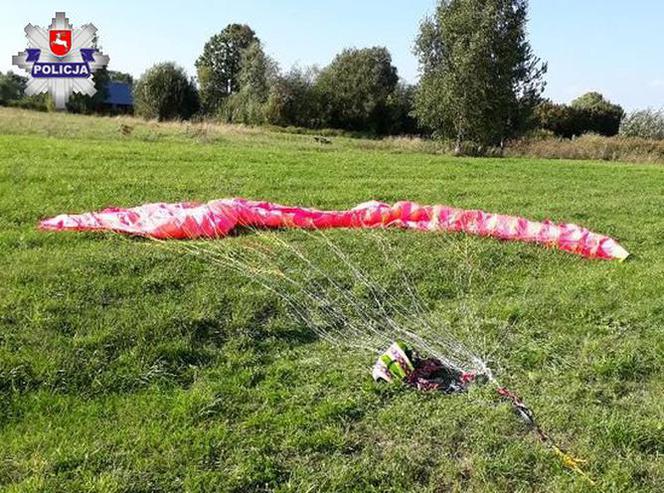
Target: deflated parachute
[[217, 218]]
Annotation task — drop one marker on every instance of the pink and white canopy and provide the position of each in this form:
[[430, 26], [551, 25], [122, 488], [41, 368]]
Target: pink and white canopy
[[218, 217]]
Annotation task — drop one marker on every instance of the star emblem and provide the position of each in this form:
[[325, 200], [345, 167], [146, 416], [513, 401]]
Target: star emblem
[[60, 60]]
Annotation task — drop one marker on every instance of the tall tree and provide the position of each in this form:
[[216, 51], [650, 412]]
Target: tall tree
[[256, 72], [248, 104], [356, 88], [480, 78], [219, 65]]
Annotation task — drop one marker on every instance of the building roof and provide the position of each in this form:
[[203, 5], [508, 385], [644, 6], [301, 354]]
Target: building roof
[[119, 93]]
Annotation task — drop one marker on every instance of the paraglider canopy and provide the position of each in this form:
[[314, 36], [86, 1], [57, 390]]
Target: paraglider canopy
[[217, 218]]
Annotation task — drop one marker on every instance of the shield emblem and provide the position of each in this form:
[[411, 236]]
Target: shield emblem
[[60, 41]]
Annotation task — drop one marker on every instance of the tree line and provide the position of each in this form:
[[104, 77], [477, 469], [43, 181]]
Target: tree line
[[12, 93], [359, 90], [480, 85]]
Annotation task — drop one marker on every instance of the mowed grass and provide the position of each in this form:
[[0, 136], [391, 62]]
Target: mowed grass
[[125, 366]]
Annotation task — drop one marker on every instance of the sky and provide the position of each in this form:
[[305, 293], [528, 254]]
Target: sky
[[610, 46]]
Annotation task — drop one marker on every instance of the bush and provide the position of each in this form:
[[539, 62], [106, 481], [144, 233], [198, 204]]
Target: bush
[[558, 118], [165, 92], [12, 88], [590, 113], [39, 102], [646, 124], [589, 146]]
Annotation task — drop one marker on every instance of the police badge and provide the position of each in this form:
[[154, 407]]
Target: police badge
[[60, 60]]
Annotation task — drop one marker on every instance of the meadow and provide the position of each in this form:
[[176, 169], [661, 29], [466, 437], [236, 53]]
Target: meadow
[[129, 367]]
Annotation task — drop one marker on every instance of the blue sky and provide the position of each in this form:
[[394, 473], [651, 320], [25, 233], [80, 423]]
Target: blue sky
[[611, 46]]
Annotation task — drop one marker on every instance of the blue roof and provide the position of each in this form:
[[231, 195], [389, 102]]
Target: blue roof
[[119, 93]]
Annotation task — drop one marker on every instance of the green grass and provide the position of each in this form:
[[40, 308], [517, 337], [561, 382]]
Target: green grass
[[127, 367]]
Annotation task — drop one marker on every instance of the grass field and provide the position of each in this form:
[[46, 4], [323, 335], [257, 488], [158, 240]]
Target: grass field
[[129, 367]]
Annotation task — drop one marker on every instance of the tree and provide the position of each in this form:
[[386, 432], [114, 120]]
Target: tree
[[480, 79], [165, 92], [248, 104], [400, 104], [598, 114], [356, 87], [257, 72], [115, 76], [294, 99], [12, 88], [219, 65]]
